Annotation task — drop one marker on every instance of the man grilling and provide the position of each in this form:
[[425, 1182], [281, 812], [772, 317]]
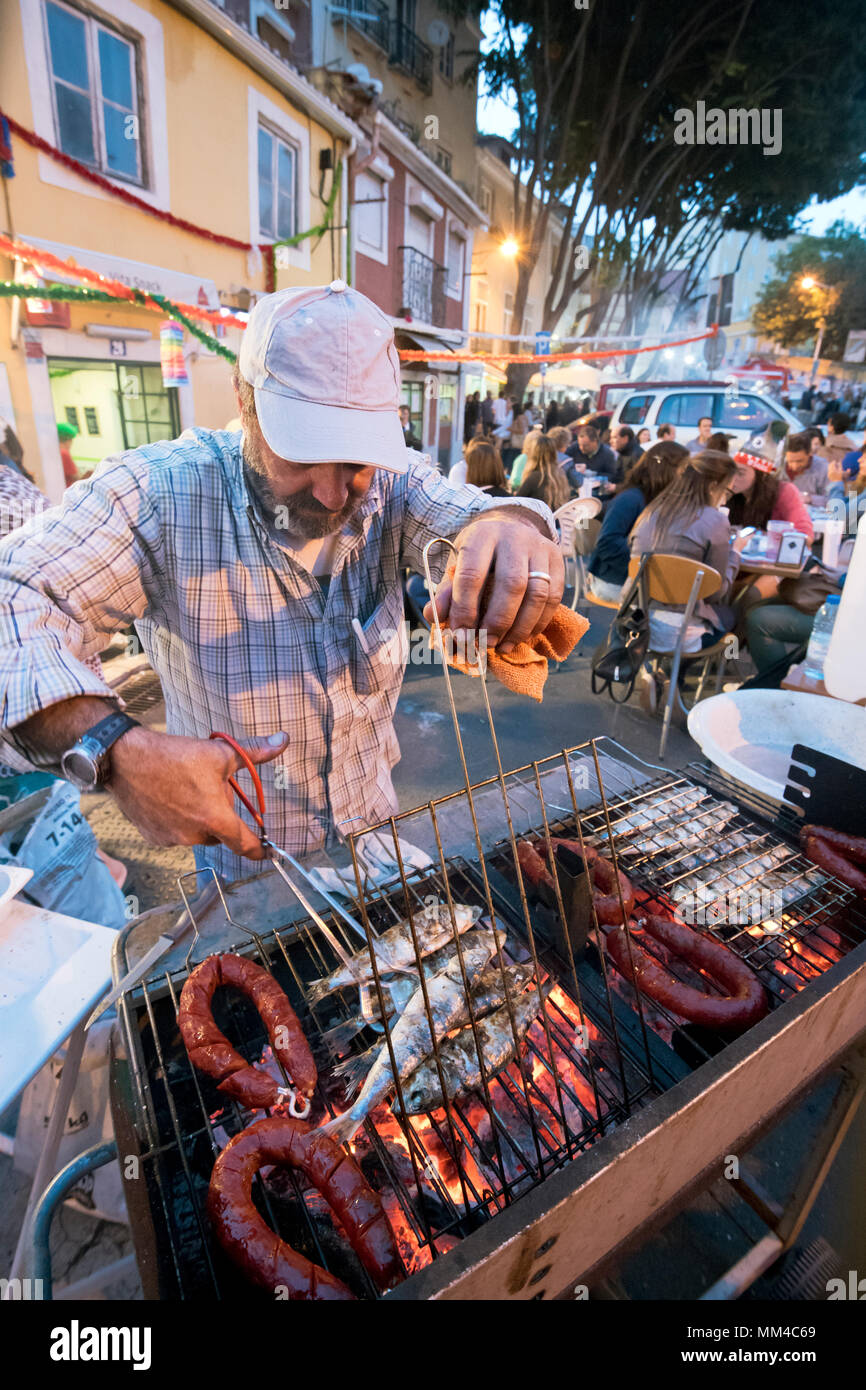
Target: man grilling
[[263, 572]]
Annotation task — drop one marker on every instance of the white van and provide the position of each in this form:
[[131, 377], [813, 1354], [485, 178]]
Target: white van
[[735, 411]]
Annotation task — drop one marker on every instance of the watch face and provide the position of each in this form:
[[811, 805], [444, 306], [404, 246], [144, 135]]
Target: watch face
[[80, 768]]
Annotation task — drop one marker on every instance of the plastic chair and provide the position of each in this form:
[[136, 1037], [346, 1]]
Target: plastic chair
[[674, 580], [572, 520]]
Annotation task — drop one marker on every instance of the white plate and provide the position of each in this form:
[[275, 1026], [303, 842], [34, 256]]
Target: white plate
[[750, 733]]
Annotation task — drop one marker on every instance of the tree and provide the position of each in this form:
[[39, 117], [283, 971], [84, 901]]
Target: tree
[[596, 93], [789, 314]]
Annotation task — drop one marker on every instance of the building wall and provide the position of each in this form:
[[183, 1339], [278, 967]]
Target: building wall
[[404, 99], [202, 106]]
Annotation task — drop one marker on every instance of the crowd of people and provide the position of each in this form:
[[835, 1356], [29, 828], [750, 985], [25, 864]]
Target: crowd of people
[[701, 500]]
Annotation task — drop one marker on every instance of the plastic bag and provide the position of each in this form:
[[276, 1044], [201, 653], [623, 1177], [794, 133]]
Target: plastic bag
[[98, 1194], [60, 848]]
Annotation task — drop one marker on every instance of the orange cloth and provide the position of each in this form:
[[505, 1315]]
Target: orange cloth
[[524, 669]]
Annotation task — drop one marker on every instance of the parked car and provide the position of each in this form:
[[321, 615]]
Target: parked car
[[737, 411]]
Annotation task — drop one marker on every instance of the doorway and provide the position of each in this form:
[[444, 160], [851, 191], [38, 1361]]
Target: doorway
[[112, 406]]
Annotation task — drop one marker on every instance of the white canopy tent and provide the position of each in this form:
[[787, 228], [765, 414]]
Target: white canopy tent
[[572, 376]]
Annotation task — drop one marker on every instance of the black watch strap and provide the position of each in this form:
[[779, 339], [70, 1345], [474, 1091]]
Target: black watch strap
[[106, 733]]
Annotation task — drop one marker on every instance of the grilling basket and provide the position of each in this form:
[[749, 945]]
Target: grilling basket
[[566, 988]]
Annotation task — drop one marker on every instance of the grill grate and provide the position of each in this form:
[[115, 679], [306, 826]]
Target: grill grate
[[596, 1053]]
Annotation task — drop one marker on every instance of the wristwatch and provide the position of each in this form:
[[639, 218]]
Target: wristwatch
[[86, 763]]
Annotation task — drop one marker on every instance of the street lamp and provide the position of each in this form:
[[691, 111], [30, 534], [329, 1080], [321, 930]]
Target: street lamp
[[509, 248], [809, 282]]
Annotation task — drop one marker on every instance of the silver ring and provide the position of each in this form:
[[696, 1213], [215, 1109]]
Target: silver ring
[[538, 574]]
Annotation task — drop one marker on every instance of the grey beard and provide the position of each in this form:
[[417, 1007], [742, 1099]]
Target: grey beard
[[298, 515]]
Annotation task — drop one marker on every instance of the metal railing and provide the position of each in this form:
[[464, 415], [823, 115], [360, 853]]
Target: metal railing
[[423, 292], [370, 16], [411, 54]]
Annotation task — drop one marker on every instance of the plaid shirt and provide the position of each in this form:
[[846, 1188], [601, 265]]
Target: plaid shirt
[[242, 636]]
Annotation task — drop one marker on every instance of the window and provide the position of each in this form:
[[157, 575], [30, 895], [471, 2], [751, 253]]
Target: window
[[685, 409], [528, 319], [370, 212], [480, 316], [277, 186], [91, 419], [95, 90], [71, 413], [507, 311], [446, 59], [747, 413], [148, 409], [456, 256], [485, 200], [635, 410]]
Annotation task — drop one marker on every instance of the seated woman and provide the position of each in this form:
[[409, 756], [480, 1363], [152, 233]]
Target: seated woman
[[759, 495], [654, 470], [522, 460], [485, 469], [560, 437], [543, 478], [685, 520]]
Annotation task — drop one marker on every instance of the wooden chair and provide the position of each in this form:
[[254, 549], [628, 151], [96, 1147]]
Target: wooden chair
[[674, 580], [573, 520]]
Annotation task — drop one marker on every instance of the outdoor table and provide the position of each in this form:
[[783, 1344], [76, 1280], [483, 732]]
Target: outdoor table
[[53, 970]]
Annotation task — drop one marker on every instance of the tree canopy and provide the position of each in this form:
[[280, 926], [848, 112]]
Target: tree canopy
[[595, 94], [789, 313]]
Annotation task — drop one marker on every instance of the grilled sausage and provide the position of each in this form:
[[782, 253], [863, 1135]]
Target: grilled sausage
[[851, 846], [213, 1054], [744, 1003], [820, 849], [602, 875], [247, 1239]]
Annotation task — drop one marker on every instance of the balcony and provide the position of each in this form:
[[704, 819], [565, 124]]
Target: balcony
[[423, 287], [369, 16], [411, 54]]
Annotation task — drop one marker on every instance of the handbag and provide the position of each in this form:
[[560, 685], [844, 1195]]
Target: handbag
[[618, 660], [807, 591]]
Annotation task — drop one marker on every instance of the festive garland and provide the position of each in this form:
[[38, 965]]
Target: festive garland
[[529, 357], [75, 165], [78, 294], [35, 256], [267, 248], [271, 274]]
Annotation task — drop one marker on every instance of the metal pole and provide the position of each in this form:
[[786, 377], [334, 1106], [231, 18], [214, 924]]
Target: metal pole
[[822, 324]]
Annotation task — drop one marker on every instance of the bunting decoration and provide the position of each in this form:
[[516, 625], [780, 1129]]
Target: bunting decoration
[[171, 356]]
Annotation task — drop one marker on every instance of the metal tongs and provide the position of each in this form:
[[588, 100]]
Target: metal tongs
[[275, 853]]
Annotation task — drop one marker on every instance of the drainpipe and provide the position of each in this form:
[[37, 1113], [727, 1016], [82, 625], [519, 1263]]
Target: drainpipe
[[348, 270]]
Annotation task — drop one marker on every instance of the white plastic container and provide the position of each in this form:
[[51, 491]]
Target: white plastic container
[[845, 664], [834, 529]]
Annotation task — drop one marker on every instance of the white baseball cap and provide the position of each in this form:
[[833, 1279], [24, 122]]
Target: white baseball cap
[[326, 376]]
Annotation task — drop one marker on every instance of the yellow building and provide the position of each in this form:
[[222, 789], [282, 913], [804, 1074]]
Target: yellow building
[[195, 114]]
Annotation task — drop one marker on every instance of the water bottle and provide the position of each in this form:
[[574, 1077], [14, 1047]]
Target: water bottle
[[819, 642], [846, 660]]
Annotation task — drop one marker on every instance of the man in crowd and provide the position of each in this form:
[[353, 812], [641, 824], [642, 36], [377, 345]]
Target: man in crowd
[[262, 571], [624, 442], [410, 439], [807, 471], [666, 432], [487, 413], [588, 452], [705, 429], [837, 443], [471, 416]]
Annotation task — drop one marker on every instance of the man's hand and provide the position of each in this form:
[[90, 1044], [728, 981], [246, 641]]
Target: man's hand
[[503, 549], [175, 790]]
